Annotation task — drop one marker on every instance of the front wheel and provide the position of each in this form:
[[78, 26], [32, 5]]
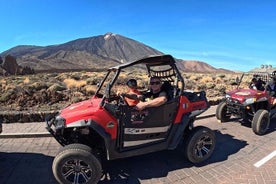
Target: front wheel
[[200, 144], [75, 163], [222, 113], [260, 122]]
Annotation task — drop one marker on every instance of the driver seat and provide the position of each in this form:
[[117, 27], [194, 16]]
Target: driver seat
[[169, 89]]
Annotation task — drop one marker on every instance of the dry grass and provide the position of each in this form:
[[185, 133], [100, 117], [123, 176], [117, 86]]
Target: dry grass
[[72, 83], [76, 86], [26, 80]]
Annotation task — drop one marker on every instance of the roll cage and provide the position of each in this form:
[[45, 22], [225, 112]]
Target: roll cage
[[162, 66]]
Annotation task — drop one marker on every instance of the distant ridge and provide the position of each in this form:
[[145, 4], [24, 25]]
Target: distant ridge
[[93, 53], [196, 66], [269, 70]]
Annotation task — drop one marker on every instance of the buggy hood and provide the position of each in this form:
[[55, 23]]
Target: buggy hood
[[80, 109], [242, 94]]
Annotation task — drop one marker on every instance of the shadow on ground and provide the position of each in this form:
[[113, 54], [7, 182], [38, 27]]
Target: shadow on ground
[[159, 164], [31, 168], [272, 125]]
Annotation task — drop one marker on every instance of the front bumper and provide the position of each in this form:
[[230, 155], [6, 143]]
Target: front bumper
[[240, 110], [55, 131]]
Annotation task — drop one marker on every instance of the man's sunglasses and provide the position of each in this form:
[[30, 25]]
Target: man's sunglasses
[[157, 83]]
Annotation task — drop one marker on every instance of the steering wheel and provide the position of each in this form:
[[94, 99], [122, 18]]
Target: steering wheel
[[122, 100]]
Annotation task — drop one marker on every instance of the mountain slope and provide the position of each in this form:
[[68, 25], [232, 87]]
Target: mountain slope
[[98, 52], [85, 53], [197, 66]]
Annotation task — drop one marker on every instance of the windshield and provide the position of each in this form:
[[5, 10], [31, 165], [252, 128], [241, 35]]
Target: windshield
[[116, 80], [246, 79]]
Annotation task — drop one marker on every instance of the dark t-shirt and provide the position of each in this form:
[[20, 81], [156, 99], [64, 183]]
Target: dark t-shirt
[[150, 95], [272, 89]]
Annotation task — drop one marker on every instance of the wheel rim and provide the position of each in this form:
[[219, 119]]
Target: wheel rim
[[76, 171], [203, 146]]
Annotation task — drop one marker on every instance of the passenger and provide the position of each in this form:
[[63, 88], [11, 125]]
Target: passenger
[[271, 88], [253, 84], [260, 84], [133, 96], [155, 97], [257, 84]]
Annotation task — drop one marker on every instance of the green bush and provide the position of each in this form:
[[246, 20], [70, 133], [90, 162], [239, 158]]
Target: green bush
[[92, 81], [56, 87], [39, 85], [6, 95], [210, 85], [221, 88], [221, 76]]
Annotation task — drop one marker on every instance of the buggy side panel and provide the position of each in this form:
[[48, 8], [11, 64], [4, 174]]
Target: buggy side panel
[[152, 125], [174, 137], [192, 102]]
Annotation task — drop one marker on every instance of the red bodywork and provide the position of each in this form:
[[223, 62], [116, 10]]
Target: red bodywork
[[90, 109], [186, 106], [242, 94]]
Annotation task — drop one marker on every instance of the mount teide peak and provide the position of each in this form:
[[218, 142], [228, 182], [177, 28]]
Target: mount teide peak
[[93, 53]]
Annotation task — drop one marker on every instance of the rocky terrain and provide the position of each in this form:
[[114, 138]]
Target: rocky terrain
[[30, 97], [37, 80]]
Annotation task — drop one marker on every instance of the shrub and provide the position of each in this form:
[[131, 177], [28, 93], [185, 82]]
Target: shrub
[[221, 76], [201, 87], [207, 79], [92, 81], [189, 84], [6, 95], [90, 89], [39, 85], [72, 83], [56, 87], [221, 88], [76, 76], [195, 77], [26, 81], [218, 81], [210, 85]]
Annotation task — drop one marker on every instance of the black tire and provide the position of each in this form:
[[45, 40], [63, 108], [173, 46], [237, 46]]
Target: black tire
[[260, 122], [221, 112], [75, 163], [200, 144]]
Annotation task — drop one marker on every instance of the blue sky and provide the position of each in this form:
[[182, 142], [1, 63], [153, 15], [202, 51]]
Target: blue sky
[[230, 34]]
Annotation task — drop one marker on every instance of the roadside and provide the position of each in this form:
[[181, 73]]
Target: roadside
[[240, 156], [37, 129]]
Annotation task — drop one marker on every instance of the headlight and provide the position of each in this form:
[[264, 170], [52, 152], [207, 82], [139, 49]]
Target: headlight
[[59, 122], [250, 100]]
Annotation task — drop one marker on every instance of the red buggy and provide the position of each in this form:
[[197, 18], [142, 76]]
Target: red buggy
[[105, 127]]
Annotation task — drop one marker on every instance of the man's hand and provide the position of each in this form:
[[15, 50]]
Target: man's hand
[[141, 106]]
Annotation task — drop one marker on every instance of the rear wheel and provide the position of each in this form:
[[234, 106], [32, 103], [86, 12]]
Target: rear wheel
[[260, 122], [75, 163], [222, 113], [200, 144]]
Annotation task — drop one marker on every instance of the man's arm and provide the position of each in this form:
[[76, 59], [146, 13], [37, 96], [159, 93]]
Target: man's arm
[[133, 96], [153, 103]]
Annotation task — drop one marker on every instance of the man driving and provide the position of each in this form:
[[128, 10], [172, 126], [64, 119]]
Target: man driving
[[155, 97]]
